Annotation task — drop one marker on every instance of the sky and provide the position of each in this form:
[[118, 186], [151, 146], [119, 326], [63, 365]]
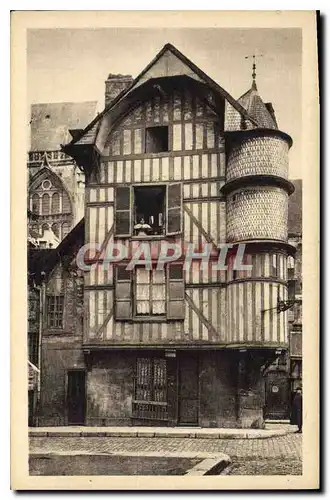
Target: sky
[[73, 64]]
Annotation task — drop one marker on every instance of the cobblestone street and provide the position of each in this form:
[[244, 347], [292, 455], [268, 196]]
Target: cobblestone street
[[272, 456]]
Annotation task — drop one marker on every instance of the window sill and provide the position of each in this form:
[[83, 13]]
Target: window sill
[[149, 237], [149, 319]]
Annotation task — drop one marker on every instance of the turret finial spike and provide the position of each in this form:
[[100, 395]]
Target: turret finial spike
[[254, 69]]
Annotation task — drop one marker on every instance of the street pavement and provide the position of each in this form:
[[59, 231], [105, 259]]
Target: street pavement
[[269, 456]]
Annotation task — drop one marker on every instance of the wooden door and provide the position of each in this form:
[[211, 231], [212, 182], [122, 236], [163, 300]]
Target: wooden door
[[277, 396], [76, 397], [188, 394]]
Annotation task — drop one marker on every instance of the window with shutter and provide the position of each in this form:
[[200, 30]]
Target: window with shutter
[[123, 293], [174, 209], [123, 211], [176, 303]]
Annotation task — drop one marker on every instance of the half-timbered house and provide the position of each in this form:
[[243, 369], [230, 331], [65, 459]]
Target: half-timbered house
[[174, 158]]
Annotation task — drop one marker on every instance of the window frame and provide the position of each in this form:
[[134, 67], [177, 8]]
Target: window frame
[[157, 317], [146, 136], [151, 385], [55, 312], [132, 210]]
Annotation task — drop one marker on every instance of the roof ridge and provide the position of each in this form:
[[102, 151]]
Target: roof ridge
[[207, 79]]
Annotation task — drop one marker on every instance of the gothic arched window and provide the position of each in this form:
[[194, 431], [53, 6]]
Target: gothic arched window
[[66, 205], [55, 203], [45, 204], [56, 230], [44, 228], [65, 229], [36, 204]]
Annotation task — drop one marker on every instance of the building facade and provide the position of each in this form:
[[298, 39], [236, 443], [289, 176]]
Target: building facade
[[172, 160], [56, 186]]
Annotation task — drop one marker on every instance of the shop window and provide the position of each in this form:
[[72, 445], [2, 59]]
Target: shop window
[[55, 305], [156, 139]]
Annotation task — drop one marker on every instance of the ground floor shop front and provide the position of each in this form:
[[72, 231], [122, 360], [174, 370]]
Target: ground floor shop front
[[159, 387]]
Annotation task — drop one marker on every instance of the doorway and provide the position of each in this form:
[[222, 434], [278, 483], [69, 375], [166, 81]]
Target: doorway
[[76, 397], [277, 396], [188, 393]]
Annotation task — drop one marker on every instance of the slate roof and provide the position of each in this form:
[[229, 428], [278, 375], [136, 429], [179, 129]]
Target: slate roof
[[50, 123], [257, 109], [295, 209]]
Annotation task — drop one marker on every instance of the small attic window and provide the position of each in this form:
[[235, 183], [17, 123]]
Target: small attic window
[[156, 139], [47, 116]]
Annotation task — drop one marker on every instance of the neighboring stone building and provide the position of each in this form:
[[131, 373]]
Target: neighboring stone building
[[56, 185], [173, 158]]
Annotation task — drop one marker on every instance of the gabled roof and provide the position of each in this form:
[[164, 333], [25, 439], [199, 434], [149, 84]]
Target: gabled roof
[[50, 122], [257, 109], [169, 62]]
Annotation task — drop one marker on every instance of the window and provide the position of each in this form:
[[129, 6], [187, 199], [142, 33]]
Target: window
[[150, 292], [66, 205], [56, 229], [274, 265], [149, 208], [33, 339], [56, 203], [55, 305], [150, 389], [36, 204], [154, 294], [65, 229], [291, 289], [147, 211], [156, 139], [150, 380]]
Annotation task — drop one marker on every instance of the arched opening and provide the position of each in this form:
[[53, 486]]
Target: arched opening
[[36, 204], [56, 230], [55, 203], [45, 204], [65, 229]]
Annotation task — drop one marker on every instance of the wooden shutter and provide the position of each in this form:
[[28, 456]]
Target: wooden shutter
[[123, 293], [174, 208], [176, 303], [123, 211]]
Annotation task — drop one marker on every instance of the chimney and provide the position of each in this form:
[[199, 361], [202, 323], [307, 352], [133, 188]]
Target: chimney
[[114, 85]]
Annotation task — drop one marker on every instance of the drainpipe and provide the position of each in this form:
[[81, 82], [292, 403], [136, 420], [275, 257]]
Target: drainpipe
[[42, 289]]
